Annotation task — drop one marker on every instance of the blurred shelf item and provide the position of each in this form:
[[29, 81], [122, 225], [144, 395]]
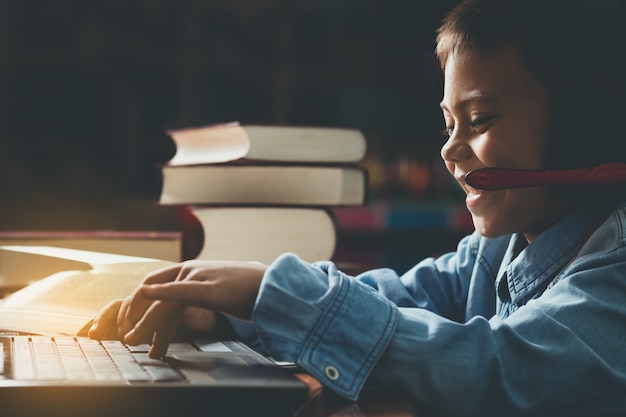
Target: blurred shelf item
[[404, 216]]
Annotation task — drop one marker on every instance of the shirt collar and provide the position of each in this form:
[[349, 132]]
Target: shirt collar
[[530, 267]]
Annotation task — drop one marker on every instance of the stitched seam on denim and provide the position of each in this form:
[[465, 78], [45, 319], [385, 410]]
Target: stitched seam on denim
[[315, 335], [325, 322], [380, 343], [322, 324], [518, 289], [620, 227]]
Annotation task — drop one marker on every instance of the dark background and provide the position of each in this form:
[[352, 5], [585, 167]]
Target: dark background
[[88, 88]]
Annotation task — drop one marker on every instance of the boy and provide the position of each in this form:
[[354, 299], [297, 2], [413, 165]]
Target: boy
[[528, 316]]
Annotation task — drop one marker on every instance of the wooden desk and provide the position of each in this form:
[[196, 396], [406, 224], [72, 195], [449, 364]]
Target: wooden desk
[[323, 404]]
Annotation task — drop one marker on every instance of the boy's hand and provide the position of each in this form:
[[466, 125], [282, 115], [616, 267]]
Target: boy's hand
[[188, 293], [105, 325]]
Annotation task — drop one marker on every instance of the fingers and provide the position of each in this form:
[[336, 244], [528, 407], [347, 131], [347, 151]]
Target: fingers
[[162, 338], [157, 324], [105, 325], [166, 303], [159, 321], [134, 307], [228, 288], [137, 319], [155, 309]]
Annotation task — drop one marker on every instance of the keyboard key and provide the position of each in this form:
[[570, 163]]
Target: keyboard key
[[62, 358]]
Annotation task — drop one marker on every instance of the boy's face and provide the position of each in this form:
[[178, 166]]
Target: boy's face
[[498, 115]]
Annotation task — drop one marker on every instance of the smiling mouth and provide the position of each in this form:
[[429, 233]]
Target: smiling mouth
[[473, 193], [473, 196], [469, 190]]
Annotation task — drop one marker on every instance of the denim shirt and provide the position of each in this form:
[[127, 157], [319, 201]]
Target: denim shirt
[[496, 328]]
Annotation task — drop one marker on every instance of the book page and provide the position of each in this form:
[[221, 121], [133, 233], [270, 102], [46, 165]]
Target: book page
[[66, 301]]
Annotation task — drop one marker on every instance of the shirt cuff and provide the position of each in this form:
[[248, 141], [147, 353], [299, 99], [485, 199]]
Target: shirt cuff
[[330, 324]]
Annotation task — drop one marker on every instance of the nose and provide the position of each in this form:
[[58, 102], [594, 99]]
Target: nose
[[455, 150]]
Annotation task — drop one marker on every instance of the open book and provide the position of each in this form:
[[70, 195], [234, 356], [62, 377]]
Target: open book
[[166, 245], [66, 301]]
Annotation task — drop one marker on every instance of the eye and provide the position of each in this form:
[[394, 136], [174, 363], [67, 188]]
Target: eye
[[447, 131], [480, 121]]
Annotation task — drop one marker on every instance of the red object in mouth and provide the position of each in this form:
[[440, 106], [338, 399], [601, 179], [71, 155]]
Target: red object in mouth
[[502, 178]]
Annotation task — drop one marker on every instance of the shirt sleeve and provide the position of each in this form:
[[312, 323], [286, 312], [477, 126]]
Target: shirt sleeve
[[433, 284], [302, 314], [439, 285], [562, 346], [348, 334], [335, 326]]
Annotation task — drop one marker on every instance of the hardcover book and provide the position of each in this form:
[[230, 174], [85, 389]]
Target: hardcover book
[[232, 141]]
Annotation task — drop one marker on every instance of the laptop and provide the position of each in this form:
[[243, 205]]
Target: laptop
[[75, 376]]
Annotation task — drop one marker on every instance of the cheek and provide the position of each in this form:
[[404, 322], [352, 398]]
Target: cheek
[[490, 149], [533, 132], [512, 148]]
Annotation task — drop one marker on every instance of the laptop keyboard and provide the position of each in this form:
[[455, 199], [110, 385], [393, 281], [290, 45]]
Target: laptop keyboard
[[68, 358]]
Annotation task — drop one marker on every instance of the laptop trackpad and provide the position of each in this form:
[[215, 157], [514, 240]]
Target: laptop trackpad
[[230, 368], [210, 360]]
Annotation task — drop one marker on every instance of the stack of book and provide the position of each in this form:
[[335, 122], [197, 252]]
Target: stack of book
[[255, 192]]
